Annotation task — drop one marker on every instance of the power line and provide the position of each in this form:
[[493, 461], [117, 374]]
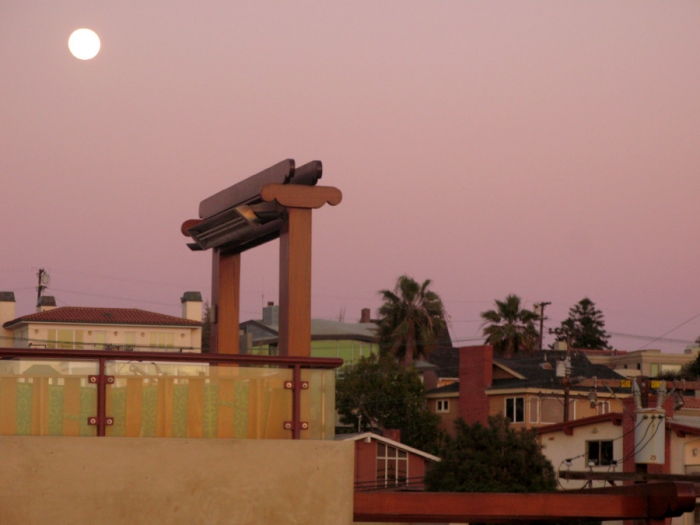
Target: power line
[[671, 330]]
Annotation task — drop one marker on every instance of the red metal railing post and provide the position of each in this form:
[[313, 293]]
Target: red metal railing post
[[296, 409], [101, 399]]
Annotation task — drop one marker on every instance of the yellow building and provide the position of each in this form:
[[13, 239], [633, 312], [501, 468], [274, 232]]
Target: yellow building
[[101, 328]]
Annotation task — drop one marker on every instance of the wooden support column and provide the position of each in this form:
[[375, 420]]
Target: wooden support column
[[295, 260], [226, 288], [295, 284]]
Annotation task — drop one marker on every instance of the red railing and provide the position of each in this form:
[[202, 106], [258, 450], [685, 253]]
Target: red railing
[[101, 379]]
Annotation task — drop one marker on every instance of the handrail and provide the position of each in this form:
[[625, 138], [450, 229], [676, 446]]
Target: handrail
[[101, 379], [239, 359]]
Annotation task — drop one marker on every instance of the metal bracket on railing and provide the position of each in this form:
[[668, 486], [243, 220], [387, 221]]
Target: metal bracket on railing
[[289, 385], [96, 379], [109, 421], [289, 425]]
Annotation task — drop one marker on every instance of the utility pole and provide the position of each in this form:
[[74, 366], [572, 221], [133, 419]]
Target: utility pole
[[43, 281], [539, 310]]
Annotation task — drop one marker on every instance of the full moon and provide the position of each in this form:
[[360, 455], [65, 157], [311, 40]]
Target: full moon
[[84, 44]]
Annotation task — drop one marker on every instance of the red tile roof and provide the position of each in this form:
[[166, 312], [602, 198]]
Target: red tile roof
[[88, 315]]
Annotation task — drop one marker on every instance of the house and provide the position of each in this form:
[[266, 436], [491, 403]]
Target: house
[[649, 363], [526, 389], [385, 463], [605, 444], [349, 341], [101, 328]]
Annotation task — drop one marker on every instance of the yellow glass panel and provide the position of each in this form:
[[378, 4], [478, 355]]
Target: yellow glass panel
[[79, 339], [51, 339], [170, 340], [153, 338], [65, 338]]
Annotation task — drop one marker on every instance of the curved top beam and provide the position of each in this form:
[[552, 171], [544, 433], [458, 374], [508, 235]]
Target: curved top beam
[[294, 196]]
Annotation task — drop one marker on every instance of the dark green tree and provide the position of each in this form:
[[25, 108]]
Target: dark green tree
[[493, 458], [585, 327], [206, 328], [411, 319], [509, 328], [377, 394]]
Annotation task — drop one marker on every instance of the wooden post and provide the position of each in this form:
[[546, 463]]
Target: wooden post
[[295, 284], [226, 287]]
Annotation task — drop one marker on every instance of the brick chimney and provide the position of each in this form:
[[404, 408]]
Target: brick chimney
[[7, 313], [475, 376], [393, 434], [271, 314], [364, 315], [192, 306], [46, 303]]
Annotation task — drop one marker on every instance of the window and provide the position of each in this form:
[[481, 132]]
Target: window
[[392, 466], [599, 452], [100, 340], [604, 407], [515, 409], [654, 369], [534, 409], [129, 340], [162, 339], [443, 405], [64, 339]]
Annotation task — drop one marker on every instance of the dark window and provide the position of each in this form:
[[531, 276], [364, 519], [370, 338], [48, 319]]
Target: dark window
[[515, 409], [600, 453]]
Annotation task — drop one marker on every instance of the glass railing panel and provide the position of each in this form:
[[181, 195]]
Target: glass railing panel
[[198, 401], [318, 404], [47, 397]]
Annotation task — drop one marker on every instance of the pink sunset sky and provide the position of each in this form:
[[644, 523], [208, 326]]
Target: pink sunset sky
[[546, 149]]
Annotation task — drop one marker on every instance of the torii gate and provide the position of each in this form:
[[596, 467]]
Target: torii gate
[[276, 202]]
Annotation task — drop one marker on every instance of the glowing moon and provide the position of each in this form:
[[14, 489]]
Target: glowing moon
[[84, 44]]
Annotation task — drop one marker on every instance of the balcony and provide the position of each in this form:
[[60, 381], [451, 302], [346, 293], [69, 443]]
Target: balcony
[[77, 392]]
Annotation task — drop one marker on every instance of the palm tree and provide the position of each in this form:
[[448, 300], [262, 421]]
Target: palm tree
[[412, 318], [510, 329]]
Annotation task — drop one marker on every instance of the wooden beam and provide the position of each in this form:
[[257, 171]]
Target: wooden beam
[[297, 196], [295, 284], [652, 501], [226, 292]]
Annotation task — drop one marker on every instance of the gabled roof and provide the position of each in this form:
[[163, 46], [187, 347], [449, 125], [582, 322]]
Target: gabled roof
[[321, 329], [538, 370], [111, 316], [447, 361], [382, 439]]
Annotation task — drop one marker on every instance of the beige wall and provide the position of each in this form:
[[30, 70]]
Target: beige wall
[[580, 405], [182, 337], [175, 481]]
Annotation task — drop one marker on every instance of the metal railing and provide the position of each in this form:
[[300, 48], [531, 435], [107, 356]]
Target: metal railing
[[165, 394]]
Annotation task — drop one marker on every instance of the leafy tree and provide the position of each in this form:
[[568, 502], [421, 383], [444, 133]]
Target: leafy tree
[[493, 458], [411, 319], [585, 327], [206, 328], [377, 394], [509, 328]]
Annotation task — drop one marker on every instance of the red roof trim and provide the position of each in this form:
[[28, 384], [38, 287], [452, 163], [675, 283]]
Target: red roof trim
[[89, 315], [568, 427], [681, 430]]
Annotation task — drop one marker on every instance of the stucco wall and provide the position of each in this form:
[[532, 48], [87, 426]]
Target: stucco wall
[[557, 446], [175, 481]]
